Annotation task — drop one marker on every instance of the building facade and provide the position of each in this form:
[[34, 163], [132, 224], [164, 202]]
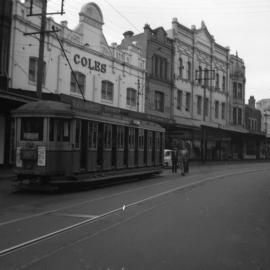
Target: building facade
[[158, 50]]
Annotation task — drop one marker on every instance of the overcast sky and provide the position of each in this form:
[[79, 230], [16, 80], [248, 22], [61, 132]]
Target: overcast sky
[[243, 25]]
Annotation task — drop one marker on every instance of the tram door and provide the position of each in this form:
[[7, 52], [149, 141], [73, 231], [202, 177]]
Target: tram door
[[100, 145], [84, 147], [114, 145]]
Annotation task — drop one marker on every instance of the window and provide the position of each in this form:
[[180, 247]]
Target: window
[[179, 99], [234, 115], [33, 70], [240, 91], [159, 101], [141, 139], [107, 90], [159, 67], [187, 102], [80, 77], [131, 96], [77, 133], [181, 68], [234, 90], [223, 110], [200, 75], [188, 70], [92, 135], [223, 83], [199, 105], [59, 130], [206, 77], [216, 109], [107, 136], [32, 129], [217, 81], [239, 116], [120, 137], [131, 138], [206, 104]]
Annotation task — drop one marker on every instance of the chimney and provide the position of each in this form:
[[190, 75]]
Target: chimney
[[128, 34], [251, 102]]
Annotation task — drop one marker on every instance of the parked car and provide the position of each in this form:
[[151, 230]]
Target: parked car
[[167, 158]]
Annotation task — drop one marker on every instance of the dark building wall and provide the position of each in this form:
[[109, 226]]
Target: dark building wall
[[252, 114], [158, 50], [5, 30]]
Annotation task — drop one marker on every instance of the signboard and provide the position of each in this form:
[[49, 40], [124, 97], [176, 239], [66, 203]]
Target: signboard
[[41, 156]]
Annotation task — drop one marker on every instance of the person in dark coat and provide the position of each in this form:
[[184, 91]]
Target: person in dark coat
[[174, 160]]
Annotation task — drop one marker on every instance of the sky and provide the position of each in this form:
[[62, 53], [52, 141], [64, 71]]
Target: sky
[[243, 25]]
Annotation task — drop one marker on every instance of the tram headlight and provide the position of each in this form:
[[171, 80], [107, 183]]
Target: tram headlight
[[18, 157], [41, 161]]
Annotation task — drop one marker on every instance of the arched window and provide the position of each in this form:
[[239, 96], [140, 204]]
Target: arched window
[[107, 90], [80, 77], [181, 67]]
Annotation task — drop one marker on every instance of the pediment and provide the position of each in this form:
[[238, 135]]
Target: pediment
[[204, 36]]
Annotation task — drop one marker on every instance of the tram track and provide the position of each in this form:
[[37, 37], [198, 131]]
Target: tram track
[[31, 242], [51, 211]]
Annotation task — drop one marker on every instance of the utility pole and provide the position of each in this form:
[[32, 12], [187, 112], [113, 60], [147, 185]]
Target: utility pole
[[40, 71], [42, 32]]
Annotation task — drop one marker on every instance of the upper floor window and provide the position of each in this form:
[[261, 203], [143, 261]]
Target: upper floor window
[[159, 66], [159, 101], [33, 70], [223, 83], [188, 97], [206, 77], [188, 70], [80, 77], [217, 81], [179, 99], [235, 90], [131, 96], [239, 116], [206, 105], [181, 67], [200, 75], [234, 115], [240, 91], [107, 90], [199, 105], [216, 109], [223, 111]]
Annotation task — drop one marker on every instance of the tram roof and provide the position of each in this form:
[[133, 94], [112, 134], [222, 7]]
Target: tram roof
[[45, 108]]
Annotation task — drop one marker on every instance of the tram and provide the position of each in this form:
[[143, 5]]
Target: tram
[[59, 143]]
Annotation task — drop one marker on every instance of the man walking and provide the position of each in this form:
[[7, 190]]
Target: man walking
[[174, 160]]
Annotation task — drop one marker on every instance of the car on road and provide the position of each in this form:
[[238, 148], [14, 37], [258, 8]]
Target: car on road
[[167, 158]]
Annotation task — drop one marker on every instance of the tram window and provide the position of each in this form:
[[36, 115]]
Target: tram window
[[150, 140], [32, 129], [157, 141], [107, 136], [120, 137], [141, 139], [59, 130], [77, 133], [93, 134], [131, 138]]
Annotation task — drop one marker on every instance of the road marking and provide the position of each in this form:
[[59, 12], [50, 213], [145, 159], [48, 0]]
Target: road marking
[[90, 220], [73, 215]]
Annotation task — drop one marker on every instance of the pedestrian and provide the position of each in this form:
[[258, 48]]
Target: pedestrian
[[183, 158], [174, 160]]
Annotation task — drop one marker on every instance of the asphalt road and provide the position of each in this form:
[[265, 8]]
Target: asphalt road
[[216, 218]]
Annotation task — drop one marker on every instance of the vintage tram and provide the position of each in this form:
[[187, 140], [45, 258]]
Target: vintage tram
[[61, 143]]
